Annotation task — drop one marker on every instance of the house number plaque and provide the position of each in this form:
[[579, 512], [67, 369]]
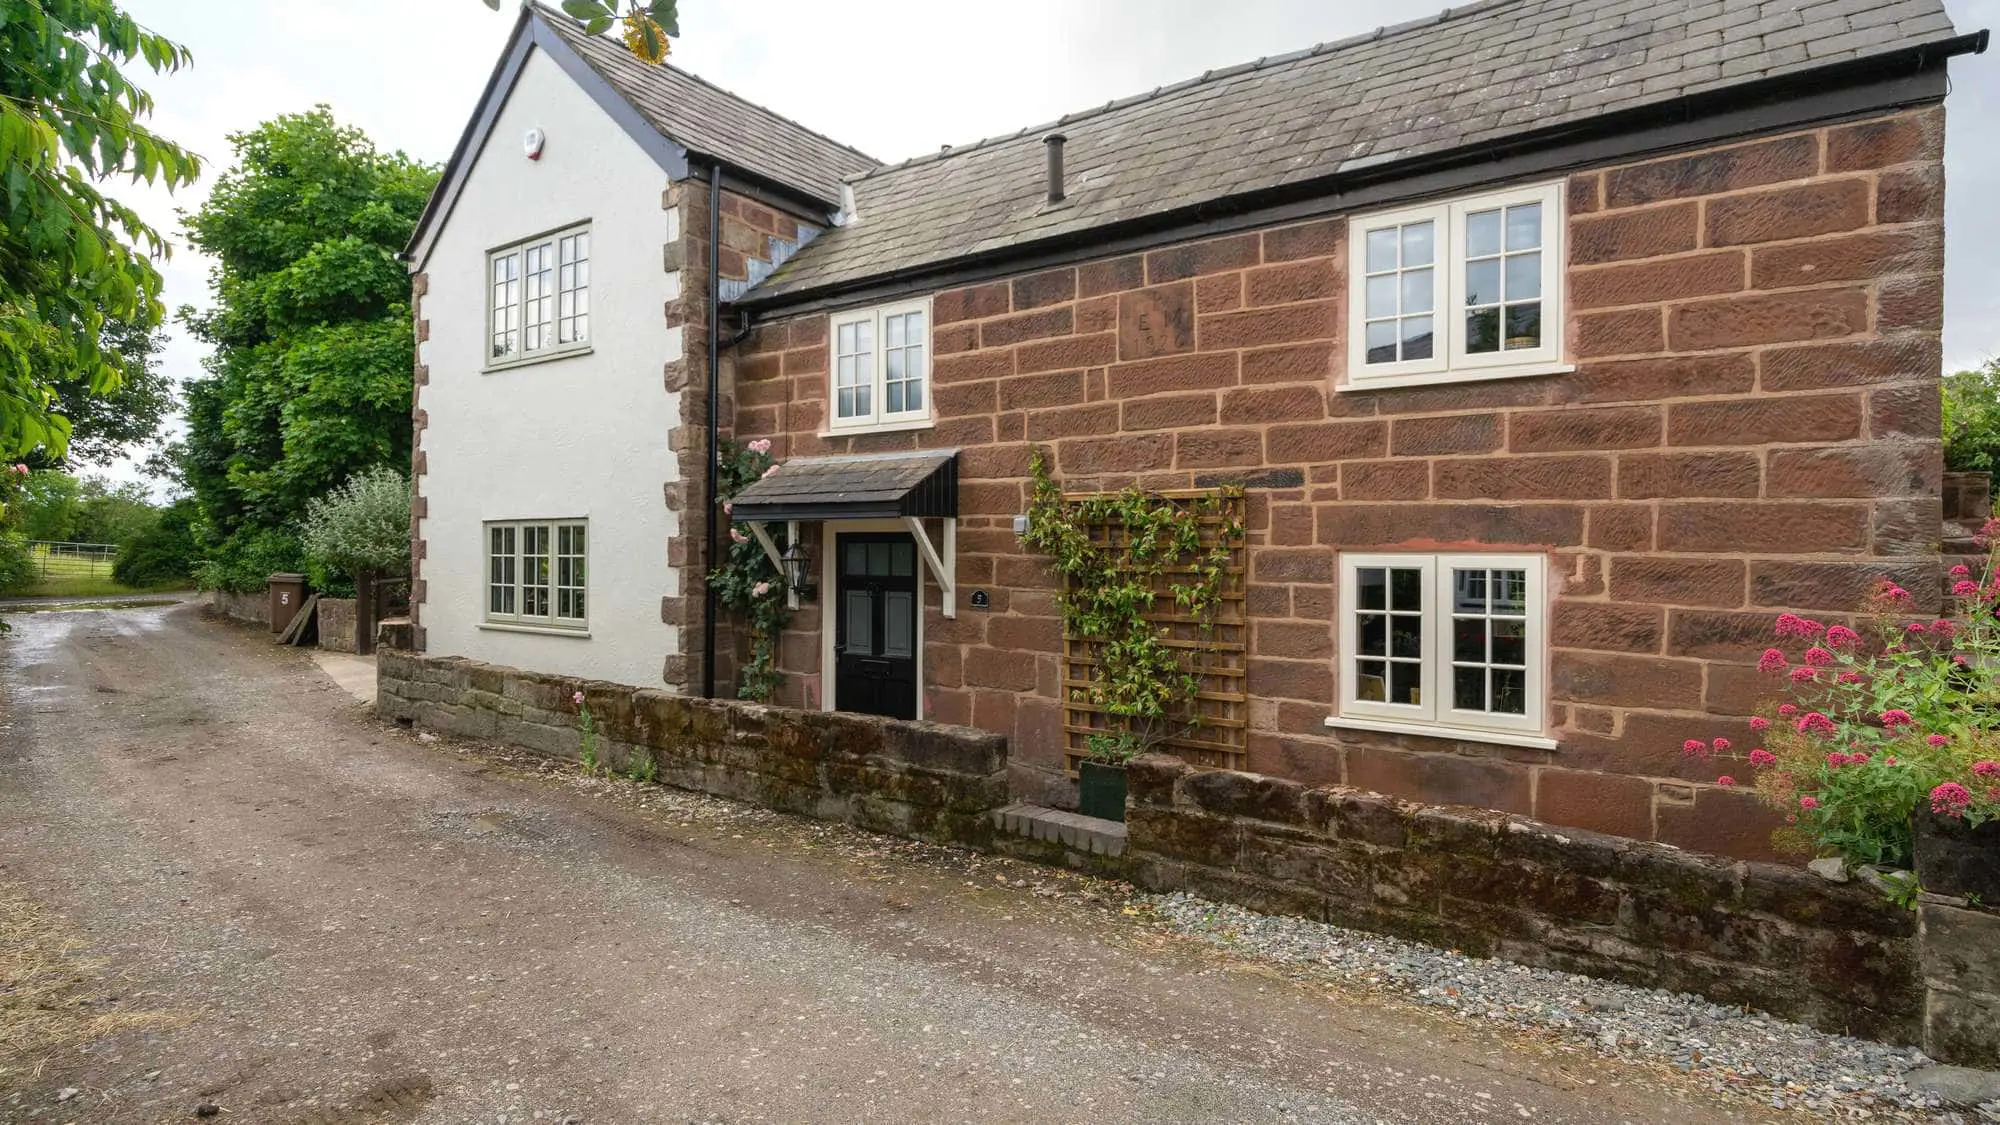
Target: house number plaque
[[980, 600]]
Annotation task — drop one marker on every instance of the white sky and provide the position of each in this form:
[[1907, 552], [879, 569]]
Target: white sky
[[891, 77]]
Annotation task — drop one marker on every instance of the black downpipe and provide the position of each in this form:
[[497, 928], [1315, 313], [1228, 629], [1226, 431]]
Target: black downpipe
[[709, 497]]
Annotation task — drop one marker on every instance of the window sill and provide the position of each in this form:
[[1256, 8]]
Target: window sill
[[532, 360], [882, 428], [541, 630], [1464, 375], [1455, 734]]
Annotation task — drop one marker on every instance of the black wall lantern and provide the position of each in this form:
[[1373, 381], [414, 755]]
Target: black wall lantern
[[798, 566]]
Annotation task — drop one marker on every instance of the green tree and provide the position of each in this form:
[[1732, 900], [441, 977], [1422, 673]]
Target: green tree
[[164, 552], [309, 381], [71, 257], [45, 507], [1972, 419], [104, 427]]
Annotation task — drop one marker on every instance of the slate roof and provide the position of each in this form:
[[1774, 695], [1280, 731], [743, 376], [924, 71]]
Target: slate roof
[[920, 483], [713, 122], [1470, 75]]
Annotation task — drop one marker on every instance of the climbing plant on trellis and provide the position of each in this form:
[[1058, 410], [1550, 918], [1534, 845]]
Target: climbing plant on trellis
[[1153, 619]]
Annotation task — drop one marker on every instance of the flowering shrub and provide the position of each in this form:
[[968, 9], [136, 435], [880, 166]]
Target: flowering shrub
[[1893, 715], [747, 583]]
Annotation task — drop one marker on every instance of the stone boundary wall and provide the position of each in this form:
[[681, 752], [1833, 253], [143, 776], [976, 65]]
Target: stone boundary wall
[[336, 625], [923, 780], [1836, 956], [254, 608]]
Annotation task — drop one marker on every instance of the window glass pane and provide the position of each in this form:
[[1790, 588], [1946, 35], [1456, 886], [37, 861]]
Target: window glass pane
[[1374, 634], [893, 328], [1417, 245], [1468, 689], [1406, 636], [1382, 250], [538, 312], [1468, 591], [861, 622], [1482, 234], [864, 336], [846, 338], [1510, 691], [894, 362], [1510, 642], [1482, 282], [1482, 331], [1524, 325], [1510, 591], [899, 633], [1524, 278], [1417, 290], [1372, 584], [1417, 337], [862, 402], [1382, 296], [1406, 683], [843, 406], [1371, 681], [1524, 226], [1468, 640], [1382, 336], [1406, 590], [913, 395], [892, 397]]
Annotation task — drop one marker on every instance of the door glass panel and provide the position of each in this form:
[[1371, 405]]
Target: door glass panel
[[857, 558], [903, 560], [899, 629], [878, 559], [860, 610]]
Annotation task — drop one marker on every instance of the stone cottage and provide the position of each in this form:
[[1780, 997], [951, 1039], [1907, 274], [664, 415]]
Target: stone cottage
[[1557, 346]]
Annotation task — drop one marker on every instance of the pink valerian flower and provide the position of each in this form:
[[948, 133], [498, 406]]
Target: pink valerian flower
[[1849, 677], [1725, 779], [1887, 591], [1787, 710], [1818, 657], [1808, 802], [1722, 745], [1857, 759], [1950, 799], [1836, 759], [1986, 769], [760, 589], [1813, 722], [577, 699], [1959, 659], [1760, 723], [1965, 588], [1891, 759], [761, 445], [1694, 748], [1840, 636], [1943, 628], [1961, 571], [1804, 675], [1896, 717], [1914, 628], [1792, 625], [1772, 661], [1761, 757], [1938, 740]]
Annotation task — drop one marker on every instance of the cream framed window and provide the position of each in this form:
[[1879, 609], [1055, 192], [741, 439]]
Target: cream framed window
[[1462, 289], [880, 371], [537, 573], [1449, 645], [538, 297]]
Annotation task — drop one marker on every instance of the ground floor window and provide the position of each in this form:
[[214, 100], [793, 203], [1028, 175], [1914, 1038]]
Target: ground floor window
[[1447, 641], [537, 572]]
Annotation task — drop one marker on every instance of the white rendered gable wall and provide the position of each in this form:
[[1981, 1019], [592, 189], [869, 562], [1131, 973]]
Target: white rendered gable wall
[[579, 436]]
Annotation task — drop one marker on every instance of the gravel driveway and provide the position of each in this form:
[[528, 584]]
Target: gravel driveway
[[342, 924]]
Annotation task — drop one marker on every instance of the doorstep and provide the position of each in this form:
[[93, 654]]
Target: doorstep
[[1072, 830]]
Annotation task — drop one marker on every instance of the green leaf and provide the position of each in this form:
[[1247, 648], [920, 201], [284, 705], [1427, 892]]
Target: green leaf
[[599, 25], [586, 10]]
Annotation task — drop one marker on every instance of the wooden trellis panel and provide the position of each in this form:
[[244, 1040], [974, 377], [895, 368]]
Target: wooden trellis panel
[[1217, 741]]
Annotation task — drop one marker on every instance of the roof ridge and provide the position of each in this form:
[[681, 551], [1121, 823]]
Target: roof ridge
[[565, 21], [1386, 31]]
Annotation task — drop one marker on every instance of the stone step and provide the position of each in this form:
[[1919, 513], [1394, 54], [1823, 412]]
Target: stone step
[[1072, 830]]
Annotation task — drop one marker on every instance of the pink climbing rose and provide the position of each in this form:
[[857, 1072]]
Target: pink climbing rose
[[760, 589], [761, 445]]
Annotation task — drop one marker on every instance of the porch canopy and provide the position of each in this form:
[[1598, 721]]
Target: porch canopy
[[907, 486]]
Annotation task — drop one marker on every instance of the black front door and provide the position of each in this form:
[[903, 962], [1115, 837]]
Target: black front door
[[875, 625]]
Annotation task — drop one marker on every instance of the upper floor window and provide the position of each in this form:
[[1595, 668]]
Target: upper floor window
[[539, 296], [881, 371], [1451, 643], [1463, 289]]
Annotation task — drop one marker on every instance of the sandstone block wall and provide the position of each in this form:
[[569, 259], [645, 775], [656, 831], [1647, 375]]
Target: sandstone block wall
[[1752, 427], [1771, 937], [251, 608], [923, 780], [336, 624]]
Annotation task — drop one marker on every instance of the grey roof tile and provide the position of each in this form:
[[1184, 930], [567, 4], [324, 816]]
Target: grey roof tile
[[1469, 75], [712, 122]]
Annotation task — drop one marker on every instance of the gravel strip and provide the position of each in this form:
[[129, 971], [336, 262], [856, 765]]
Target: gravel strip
[[1736, 1050]]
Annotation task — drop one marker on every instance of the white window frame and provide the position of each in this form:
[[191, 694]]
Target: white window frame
[[1449, 362], [1435, 716], [878, 419], [551, 621], [551, 243]]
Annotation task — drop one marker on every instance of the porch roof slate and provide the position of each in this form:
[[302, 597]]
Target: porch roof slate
[[861, 486]]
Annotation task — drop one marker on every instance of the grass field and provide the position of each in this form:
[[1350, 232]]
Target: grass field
[[65, 572], [88, 586]]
